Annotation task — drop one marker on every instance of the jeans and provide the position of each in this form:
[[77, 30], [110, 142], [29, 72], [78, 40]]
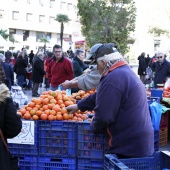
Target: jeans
[[30, 83], [21, 80]]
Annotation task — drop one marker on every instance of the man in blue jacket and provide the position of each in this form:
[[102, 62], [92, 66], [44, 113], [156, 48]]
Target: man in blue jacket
[[120, 106]]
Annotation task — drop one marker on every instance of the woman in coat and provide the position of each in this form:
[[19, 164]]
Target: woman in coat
[[10, 124], [142, 67], [37, 73], [20, 69], [78, 65]]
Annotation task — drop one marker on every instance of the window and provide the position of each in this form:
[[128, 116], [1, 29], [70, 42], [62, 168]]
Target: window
[[1, 14], [48, 36], [42, 18], [52, 3], [25, 35], [63, 6], [51, 20], [41, 2], [69, 7], [15, 15], [29, 17], [28, 1], [12, 31], [40, 35]]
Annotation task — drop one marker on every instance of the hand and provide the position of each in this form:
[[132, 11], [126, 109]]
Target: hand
[[66, 84], [72, 108]]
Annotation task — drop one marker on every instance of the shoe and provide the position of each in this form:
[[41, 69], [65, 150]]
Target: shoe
[[35, 95]]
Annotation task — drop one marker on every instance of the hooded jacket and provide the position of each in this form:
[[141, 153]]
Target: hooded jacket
[[10, 123]]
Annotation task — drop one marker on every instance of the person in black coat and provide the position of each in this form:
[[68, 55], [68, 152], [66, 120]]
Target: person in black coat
[[20, 69], [9, 74], [142, 67], [161, 69], [31, 56], [10, 124], [37, 73]]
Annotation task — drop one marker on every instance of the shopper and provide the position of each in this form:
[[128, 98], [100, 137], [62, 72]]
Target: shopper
[[10, 124], [120, 106], [90, 79], [60, 68], [161, 69], [37, 73]]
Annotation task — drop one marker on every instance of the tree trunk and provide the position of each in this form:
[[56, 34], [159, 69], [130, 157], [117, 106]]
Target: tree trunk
[[61, 34], [44, 48]]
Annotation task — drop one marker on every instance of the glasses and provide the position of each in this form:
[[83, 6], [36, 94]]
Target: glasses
[[159, 57], [57, 51]]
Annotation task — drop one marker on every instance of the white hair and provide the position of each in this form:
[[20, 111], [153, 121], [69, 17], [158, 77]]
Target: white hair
[[159, 53], [111, 57], [2, 57], [40, 54]]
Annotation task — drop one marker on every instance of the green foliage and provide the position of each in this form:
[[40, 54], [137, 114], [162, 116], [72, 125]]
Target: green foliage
[[106, 21], [62, 18], [43, 40], [157, 31], [4, 34]]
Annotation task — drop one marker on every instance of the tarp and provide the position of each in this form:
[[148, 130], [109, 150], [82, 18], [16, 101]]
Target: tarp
[[4, 43]]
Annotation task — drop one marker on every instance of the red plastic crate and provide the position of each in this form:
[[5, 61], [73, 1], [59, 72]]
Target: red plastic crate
[[164, 120], [163, 136]]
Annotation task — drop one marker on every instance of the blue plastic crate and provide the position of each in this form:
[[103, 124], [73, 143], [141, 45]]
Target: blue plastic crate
[[63, 163], [89, 164], [156, 93], [25, 149], [89, 144], [57, 138], [159, 161], [28, 163]]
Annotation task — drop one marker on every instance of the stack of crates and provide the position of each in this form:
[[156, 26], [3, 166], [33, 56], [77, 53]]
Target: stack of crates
[[160, 161], [163, 133], [57, 145], [26, 153], [91, 148]]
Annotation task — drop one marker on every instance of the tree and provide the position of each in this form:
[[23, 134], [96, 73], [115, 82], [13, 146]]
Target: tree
[[158, 31], [61, 18], [107, 21], [44, 40], [4, 34]]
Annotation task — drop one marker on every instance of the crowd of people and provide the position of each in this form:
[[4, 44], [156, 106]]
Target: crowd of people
[[156, 69]]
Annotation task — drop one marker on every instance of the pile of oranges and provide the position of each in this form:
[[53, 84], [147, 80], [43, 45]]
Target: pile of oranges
[[81, 94], [51, 106]]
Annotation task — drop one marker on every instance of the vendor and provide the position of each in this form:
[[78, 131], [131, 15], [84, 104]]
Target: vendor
[[120, 106]]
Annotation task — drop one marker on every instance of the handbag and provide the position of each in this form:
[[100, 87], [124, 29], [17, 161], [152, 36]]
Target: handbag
[[13, 160]]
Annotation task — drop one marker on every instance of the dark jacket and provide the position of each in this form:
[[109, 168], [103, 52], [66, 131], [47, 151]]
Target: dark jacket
[[78, 66], [142, 66], [20, 66], [38, 70], [162, 71], [119, 109], [8, 73], [31, 56], [10, 123]]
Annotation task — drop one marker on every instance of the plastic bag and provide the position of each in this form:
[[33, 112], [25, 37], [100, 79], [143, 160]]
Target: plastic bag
[[156, 111]]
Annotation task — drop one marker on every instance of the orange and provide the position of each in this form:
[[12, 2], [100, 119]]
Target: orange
[[35, 117], [50, 117], [31, 104], [43, 116], [45, 107], [59, 117], [45, 101]]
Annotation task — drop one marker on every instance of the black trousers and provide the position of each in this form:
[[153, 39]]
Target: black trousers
[[35, 88]]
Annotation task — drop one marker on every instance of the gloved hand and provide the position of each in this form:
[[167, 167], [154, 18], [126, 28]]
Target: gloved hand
[[72, 108]]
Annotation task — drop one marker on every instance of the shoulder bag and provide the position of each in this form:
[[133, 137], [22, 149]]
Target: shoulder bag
[[13, 160]]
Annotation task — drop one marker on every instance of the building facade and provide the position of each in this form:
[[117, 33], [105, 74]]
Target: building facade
[[31, 20]]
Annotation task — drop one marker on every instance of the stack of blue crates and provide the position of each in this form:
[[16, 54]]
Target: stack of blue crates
[[57, 145], [91, 148], [26, 153], [159, 161]]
